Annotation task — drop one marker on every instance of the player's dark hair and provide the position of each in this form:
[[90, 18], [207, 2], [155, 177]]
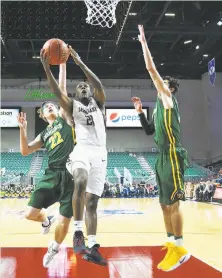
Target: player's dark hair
[[173, 83]]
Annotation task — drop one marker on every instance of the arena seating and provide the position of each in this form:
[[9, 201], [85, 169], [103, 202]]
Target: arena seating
[[151, 159], [44, 166], [194, 170], [15, 163], [120, 160]]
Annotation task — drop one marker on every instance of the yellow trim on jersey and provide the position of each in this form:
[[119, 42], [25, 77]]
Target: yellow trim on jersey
[[74, 135], [174, 150], [171, 158]]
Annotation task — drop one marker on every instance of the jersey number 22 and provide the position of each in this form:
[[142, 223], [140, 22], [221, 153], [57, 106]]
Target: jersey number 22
[[55, 140]]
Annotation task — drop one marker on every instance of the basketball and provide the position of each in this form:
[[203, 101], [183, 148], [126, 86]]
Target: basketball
[[57, 50]]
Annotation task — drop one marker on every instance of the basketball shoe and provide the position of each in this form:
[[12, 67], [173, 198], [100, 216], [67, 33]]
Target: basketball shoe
[[178, 256], [79, 242], [49, 255], [46, 229], [92, 255], [170, 248]]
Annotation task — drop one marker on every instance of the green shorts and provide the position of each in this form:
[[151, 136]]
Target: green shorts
[[55, 186], [170, 167]]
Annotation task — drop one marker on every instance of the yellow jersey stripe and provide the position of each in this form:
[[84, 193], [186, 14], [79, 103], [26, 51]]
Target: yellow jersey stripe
[[74, 135], [174, 149], [171, 157]]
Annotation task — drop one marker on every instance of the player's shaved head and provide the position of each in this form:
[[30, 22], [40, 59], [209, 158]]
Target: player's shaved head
[[83, 91]]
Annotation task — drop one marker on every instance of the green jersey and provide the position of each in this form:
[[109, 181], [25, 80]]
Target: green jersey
[[58, 139], [167, 124]]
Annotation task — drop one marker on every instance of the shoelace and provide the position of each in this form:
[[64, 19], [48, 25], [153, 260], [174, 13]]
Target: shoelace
[[51, 254], [170, 249], [78, 240], [95, 250], [168, 245], [51, 251]]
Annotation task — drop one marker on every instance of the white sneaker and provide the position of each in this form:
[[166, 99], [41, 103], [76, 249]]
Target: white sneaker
[[49, 256], [46, 229]]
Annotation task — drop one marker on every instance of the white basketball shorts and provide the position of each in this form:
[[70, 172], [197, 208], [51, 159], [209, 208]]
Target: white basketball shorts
[[94, 160]]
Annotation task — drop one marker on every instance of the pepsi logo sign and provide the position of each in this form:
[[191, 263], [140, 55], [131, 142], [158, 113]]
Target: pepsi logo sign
[[123, 118], [114, 117]]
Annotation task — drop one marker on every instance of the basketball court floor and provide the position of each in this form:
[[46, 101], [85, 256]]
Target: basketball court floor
[[130, 232]]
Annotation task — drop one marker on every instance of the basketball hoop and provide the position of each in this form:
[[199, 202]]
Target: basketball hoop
[[101, 12]]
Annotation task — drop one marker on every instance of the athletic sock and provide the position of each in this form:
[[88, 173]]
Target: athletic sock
[[78, 225], [55, 245], [170, 237], [179, 240], [91, 241], [46, 222]]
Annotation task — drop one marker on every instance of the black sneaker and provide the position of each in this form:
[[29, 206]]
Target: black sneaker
[[92, 255], [79, 242]]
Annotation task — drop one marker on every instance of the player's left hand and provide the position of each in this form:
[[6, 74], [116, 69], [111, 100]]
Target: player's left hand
[[137, 104], [44, 59], [141, 36], [75, 56]]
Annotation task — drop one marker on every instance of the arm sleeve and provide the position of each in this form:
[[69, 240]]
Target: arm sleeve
[[148, 127]]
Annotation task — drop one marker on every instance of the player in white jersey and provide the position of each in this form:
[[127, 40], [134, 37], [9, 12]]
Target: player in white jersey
[[88, 162]]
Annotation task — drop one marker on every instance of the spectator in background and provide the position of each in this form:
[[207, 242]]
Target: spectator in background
[[208, 191], [219, 177], [2, 172], [189, 189]]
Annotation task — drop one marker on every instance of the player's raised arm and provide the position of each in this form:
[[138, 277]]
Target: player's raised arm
[[64, 101], [33, 146], [62, 85], [150, 66], [99, 93], [147, 126], [62, 78]]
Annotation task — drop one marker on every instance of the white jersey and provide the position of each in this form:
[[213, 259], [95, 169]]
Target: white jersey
[[89, 124]]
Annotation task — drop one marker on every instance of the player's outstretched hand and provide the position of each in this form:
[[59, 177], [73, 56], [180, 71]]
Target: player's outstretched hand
[[141, 36], [22, 120], [44, 59], [75, 56], [137, 104]]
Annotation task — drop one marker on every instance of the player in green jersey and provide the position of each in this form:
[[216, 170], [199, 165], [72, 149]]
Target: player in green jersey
[[172, 159], [56, 184]]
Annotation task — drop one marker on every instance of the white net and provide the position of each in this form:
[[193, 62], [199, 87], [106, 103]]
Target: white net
[[101, 12]]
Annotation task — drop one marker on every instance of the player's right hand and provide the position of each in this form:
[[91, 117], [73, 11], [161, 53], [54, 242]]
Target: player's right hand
[[21, 118], [75, 55], [141, 36], [44, 59], [137, 104]]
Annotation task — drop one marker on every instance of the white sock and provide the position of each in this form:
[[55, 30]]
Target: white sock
[[55, 245], [46, 222], [91, 240], [179, 242], [78, 225], [170, 239]]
